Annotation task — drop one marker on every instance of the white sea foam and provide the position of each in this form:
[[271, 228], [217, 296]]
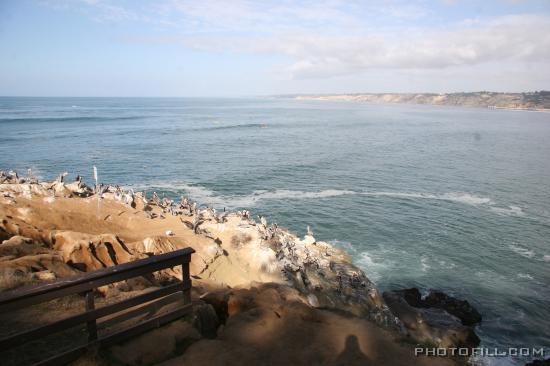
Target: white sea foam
[[525, 276], [345, 245], [546, 258], [372, 268], [459, 197], [524, 252], [447, 265], [208, 197], [424, 263], [510, 211]]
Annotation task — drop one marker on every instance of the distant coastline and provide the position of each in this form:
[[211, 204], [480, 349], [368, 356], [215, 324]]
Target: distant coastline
[[529, 101]]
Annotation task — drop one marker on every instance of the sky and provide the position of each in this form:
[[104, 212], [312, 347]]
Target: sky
[[240, 48]]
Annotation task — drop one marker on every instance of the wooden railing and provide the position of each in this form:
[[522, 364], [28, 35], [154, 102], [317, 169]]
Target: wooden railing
[[150, 302]]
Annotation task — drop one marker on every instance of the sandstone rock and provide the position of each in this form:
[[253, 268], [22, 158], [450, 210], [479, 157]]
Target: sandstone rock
[[18, 246], [274, 325], [205, 319], [20, 271], [91, 252], [157, 345]]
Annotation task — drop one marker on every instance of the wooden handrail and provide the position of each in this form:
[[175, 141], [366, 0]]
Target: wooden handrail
[[85, 284], [31, 295]]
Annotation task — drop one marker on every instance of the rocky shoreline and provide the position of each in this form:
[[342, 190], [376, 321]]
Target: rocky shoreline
[[259, 286]]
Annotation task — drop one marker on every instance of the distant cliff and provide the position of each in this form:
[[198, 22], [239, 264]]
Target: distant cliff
[[531, 101]]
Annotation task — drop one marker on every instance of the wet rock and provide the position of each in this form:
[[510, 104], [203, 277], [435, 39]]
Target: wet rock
[[429, 325], [459, 308], [545, 362]]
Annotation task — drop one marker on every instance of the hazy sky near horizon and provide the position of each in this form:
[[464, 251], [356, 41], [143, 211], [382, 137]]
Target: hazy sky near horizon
[[244, 48]]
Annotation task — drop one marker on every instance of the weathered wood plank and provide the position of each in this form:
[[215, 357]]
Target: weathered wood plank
[[154, 301], [23, 337], [114, 338], [152, 307], [185, 274], [91, 324]]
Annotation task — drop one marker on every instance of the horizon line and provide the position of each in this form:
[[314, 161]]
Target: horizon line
[[266, 95]]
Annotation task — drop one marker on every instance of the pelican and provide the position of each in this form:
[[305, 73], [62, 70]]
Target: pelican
[[13, 177], [61, 177], [155, 199]]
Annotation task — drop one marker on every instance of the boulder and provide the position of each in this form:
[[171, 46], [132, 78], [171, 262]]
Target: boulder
[[429, 325], [545, 362], [459, 308]]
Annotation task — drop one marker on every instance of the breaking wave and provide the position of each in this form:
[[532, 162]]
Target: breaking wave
[[510, 211], [524, 252], [208, 197], [465, 198], [373, 266]]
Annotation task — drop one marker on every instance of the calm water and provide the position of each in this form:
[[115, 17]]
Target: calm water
[[443, 197]]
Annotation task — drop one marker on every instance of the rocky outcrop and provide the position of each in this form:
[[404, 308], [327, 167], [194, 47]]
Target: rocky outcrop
[[91, 252], [259, 281], [438, 320], [23, 262], [274, 324], [459, 308]]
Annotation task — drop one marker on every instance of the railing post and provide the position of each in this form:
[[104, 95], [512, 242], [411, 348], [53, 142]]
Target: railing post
[[91, 325], [184, 277]]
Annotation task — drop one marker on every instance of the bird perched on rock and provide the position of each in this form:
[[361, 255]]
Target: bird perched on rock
[[263, 221], [61, 177]]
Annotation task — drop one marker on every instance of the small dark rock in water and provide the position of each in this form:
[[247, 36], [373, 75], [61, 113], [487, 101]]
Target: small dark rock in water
[[539, 363], [459, 308], [438, 319], [440, 300], [412, 296]]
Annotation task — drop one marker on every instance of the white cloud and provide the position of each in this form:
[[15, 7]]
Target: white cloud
[[328, 38], [510, 38]]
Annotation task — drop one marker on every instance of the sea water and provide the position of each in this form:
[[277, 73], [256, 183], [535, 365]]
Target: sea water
[[442, 197]]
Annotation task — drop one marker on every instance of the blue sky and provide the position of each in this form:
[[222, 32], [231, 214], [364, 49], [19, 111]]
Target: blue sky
[[244, 48]]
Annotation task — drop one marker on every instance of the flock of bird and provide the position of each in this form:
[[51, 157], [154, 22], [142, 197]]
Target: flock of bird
[[303, 262], [292, 259]]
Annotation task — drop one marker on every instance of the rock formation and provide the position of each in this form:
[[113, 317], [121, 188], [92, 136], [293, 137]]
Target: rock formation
[[438, 320], [249, 273]]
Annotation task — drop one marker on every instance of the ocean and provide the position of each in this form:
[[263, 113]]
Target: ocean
[[442, 197]]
